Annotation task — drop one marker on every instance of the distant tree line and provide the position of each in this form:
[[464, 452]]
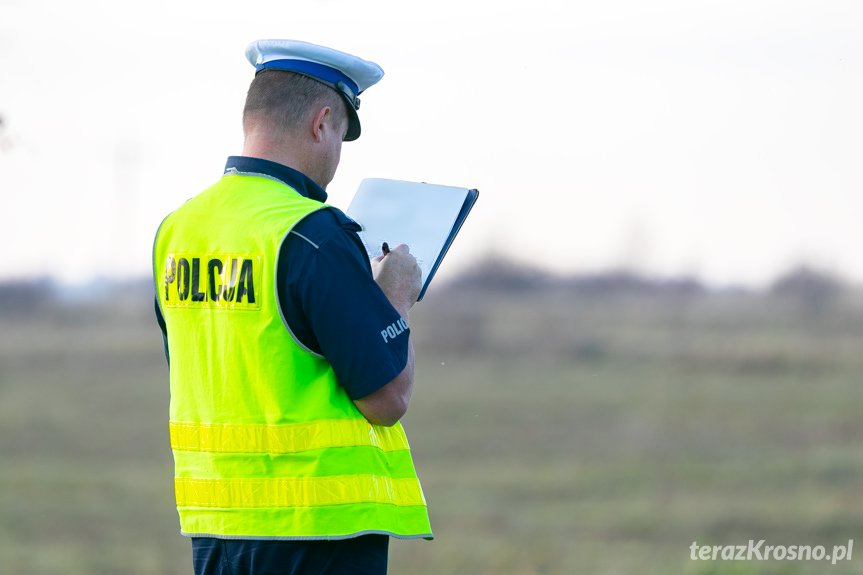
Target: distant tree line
[[803, 285], [24, 298]]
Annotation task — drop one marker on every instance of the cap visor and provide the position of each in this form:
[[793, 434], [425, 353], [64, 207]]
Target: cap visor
[[353, 123]]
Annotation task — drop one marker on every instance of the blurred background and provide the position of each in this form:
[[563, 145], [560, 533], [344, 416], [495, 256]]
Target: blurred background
[[647, 333]]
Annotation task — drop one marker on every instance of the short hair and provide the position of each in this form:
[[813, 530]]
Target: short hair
[[286, 99]]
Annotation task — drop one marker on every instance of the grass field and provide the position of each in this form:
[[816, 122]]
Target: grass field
[[553, 433]]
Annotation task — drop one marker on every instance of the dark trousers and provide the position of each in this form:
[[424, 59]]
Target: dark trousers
[[364, 555]]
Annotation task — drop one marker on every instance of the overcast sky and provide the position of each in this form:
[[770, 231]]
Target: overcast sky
[[720, 139]]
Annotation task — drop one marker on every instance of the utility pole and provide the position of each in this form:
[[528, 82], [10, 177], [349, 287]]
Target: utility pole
[[5, 142]]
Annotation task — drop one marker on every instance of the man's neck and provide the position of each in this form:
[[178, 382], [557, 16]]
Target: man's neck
[[280, 151]]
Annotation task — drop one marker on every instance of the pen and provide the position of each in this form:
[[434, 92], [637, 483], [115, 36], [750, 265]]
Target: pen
[[385, 248]]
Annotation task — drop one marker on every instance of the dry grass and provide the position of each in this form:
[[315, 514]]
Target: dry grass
[[552, 433]]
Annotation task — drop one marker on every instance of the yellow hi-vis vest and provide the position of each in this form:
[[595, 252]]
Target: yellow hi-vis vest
[[267, 444]]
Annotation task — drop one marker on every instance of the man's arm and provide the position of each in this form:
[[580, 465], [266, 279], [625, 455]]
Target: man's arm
[[388, 405], [335, 308], [399, 277]]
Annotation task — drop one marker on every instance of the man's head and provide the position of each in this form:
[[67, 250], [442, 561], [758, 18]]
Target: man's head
[[293, 114], [285, 100], [304, 101]]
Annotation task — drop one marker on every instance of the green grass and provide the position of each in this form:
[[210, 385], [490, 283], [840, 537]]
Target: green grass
[[552, 434]]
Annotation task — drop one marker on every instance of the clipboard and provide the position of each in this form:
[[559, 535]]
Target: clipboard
[[426, 217]]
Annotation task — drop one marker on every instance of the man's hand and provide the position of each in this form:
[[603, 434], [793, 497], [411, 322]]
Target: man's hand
[[399, 276]]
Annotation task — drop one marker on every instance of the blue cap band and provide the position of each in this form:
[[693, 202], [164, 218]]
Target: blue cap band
[[313, 69]]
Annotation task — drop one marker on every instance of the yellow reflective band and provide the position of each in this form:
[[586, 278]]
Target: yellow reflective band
[[291, 438], [297, 491]]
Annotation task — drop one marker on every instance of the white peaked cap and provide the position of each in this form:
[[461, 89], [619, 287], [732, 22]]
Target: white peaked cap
[[344, 73]]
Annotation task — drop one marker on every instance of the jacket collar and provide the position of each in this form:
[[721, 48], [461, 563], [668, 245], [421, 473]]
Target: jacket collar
[[292, 178]]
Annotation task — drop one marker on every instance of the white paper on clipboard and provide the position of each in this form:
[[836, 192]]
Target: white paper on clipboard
[[426, 217]]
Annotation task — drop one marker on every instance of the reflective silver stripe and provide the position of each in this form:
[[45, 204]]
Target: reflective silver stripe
[[317, 247], [276, 281], [235, 172]]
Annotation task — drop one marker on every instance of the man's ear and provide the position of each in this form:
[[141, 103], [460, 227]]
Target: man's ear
[[321, 118]]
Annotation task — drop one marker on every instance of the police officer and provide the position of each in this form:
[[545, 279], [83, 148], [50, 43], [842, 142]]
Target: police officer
[[285, 399]]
